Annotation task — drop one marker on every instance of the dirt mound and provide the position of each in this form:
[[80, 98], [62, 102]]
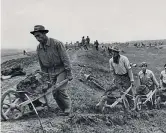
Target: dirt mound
[[85, 94], [14, 71], [24, 62]]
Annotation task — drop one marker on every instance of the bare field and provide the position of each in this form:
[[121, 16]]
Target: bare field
[[9, 54]]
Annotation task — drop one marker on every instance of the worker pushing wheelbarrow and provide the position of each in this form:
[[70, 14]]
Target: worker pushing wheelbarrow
[[112, 96], [147, 88], [145, 98], [30, 95]]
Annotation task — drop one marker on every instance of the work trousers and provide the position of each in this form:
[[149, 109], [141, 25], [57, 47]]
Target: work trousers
[[123, 83], [60, 95]]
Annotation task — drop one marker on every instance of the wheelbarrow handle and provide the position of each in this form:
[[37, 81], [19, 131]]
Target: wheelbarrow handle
[[58, 85], [119, 99], [24, 92], [44, 73]]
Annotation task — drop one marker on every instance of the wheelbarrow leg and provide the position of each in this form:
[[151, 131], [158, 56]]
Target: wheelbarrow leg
[[46, 101]]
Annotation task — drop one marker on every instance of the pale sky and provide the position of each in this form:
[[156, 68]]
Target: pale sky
[[69, 20]]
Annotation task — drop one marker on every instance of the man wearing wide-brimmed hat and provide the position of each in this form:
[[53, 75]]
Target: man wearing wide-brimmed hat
[[54, 60], [121, 70]]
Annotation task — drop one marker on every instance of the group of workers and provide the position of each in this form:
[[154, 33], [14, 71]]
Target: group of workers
[[123, 78], [54, 60], [85, 42]]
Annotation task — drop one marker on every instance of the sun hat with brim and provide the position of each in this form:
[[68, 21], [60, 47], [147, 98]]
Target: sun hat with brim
[[115, 48], [39, 28]]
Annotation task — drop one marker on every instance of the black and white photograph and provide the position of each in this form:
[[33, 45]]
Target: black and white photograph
[[83, 66]]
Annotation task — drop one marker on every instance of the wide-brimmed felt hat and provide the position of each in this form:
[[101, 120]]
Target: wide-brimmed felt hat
[[39, 28], [115, 48]]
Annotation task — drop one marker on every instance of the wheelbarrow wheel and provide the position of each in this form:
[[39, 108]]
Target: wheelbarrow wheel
[[158, 103], [126, 103], [10, 108], [138, 103]]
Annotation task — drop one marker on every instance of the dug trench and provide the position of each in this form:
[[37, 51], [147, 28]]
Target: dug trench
[[85, 95]]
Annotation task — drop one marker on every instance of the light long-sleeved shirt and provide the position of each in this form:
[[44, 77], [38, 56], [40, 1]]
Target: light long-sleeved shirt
[[163, 79], [53, 56], [122, 68], [148, 78]]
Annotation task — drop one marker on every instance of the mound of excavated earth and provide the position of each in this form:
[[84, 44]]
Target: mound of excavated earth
[[85, 95]]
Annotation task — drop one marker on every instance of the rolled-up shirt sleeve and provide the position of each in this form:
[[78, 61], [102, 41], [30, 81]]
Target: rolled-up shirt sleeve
[[111, 67], [138, 80], [154, 79], [128, 67], [65, 58], [127, 63], [130, 72], [161, 78]]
